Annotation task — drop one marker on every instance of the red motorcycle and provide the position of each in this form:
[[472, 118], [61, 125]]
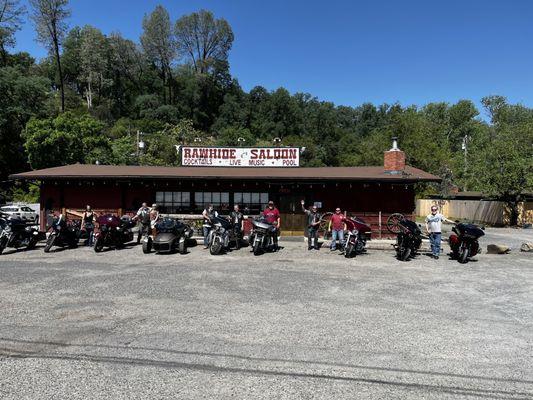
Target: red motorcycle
[[358, 232], [113, 232], [464, 241]]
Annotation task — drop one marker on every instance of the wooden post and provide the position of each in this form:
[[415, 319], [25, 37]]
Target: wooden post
[[379, 222]]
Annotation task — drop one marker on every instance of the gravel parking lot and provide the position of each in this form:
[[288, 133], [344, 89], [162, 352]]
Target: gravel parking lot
[[292, 324]]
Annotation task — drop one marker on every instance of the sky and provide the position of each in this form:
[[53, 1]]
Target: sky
[[352, 52]]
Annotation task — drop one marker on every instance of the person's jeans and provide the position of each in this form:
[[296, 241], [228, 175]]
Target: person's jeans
[[435, 239], [90, 237], [312, 238], [206, 230], [336, 235]]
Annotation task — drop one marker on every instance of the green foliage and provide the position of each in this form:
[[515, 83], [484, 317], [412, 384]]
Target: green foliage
[[235, 136], [501, 159], [204, 40], [25, 193], [65, 139], [114, 88]]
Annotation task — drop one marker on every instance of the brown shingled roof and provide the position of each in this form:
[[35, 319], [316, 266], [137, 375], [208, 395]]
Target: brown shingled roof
[[90, 171]]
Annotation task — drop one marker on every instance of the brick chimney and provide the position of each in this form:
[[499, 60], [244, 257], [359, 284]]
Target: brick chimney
[[394, 159]]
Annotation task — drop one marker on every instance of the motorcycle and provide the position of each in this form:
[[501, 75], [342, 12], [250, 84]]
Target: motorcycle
[[63, 234], [358, 232], [408, 239], [113, 232], [262, 235], [171, 235], [222, 233], [464, 241], [16, 233]]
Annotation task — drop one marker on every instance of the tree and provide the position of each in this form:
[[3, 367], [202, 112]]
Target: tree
[[501, 157], [158, 44], [22, 97], [66, 139], [203, 39], [49, 17], [94, 52], [10, 21]]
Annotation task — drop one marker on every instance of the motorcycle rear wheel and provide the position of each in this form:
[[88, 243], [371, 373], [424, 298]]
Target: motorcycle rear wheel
[[50, 243], [215, 246], [99, 245]]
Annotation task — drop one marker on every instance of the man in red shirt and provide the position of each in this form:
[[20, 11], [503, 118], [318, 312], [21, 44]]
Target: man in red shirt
[[273, 217], [336, 227]]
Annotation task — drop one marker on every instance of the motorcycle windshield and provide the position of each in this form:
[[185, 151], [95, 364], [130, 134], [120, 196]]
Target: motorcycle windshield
[[470, 230], [410, 226], [166, 225]]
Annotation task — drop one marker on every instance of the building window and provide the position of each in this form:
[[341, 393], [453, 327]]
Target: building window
[[252, 203], [173, 202], [220, 200]]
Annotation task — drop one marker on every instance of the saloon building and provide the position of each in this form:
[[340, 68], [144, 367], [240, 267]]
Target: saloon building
[[372, 193]]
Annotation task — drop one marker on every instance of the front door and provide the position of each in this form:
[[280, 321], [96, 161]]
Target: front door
[[292, 217]]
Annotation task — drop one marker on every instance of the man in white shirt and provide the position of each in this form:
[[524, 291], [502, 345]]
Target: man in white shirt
[[434, 230]]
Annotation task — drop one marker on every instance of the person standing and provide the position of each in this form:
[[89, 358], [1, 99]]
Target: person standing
[[273, 217], [237, 220], [434, 230], [209, 214], [336, 227], [313, 223], [143, 215], [87, 223], [154, 218]]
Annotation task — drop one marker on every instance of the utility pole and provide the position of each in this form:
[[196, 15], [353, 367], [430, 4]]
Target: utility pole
[[464, 147]]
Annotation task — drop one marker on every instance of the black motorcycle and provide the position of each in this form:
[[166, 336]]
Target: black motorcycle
[[14, 232], [262, 236], [113, 232], [222, 234], [63, 234], [171, 235], [464, 241], [408, 240]]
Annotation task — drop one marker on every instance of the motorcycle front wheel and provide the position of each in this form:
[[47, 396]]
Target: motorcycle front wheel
[[182, 247], [147, 245], [3, 244], [31, 244], [50, 243], [99, 244], [256, 248], [215, 246], [463, 255], [348, 250], [404, 253]]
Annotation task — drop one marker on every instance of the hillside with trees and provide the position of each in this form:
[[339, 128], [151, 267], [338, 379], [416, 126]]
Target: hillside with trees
[[87, 100]]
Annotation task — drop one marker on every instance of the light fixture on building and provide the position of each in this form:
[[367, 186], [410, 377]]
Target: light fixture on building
[[277, 140]]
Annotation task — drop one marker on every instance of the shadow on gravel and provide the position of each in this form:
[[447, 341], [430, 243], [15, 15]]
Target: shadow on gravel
[[449, 389]]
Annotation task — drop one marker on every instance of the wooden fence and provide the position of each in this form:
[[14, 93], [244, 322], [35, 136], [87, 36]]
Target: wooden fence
[[481, 211]]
